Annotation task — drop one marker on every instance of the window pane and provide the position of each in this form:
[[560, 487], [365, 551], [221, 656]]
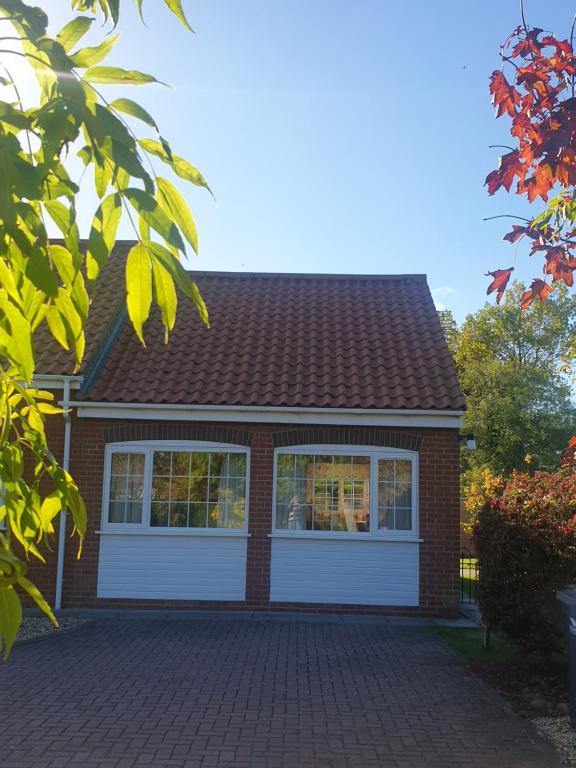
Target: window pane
[[199, 489], [284, 491], [197, 515], [217, 464], [118, 487], [321, 520], [117, 511], [199, 464], [134, 512], [236, 490], [219, 514], [214, 488], [386, 470], [237, 465], [162, 462], [386, 519], [395, 495], [178, 515], [179, 488], [159, 514], [160, 488], [403, 495], [126, 484], [285, 466], [181, 464], [120, 463], [303, 466], [137, 461], [136, 487], [403, 471], [282, 516], [403, 519]]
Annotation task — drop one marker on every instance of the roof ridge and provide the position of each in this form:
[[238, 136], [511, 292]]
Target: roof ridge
[[416, 277]]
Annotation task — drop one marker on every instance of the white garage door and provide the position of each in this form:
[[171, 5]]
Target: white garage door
[[355, 573], [172, 567]]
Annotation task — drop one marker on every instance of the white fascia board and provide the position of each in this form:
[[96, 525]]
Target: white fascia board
[[255, 414], [56, 381]]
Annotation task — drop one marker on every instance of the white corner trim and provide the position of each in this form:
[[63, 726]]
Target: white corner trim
[[257, 414], [56, 381]]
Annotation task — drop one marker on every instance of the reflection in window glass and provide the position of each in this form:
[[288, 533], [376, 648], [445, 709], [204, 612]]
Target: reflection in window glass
[[198, 490], [126, 488], [323, 493], [394, 495]]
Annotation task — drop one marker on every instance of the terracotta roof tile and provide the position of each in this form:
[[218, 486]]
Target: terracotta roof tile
[[340, 341]]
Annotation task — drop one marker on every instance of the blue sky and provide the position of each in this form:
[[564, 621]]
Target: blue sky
[[337, 136]]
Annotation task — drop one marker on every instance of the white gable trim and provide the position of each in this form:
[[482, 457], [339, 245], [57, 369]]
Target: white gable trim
[[270, 415]]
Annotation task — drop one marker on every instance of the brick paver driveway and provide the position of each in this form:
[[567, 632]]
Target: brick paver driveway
[[252, 693]]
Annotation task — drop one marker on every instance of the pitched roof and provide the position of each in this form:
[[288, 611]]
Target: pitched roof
[[282, 340]]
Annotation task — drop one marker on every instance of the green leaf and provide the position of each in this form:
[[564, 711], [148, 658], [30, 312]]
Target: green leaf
[[138, 287], [135, 110], [165, 294], [176, 7], [117, 76], [36, 595], [72, 321], [181, 167], [87, 57], [10, 616], [182, 278], [39, 272], [64, 263], [103, 173], [154, 215], [74, 31], [57, 327], [103, 234], [176, 207], [18, 343]]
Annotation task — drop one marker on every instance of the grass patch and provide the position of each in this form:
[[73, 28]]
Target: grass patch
[[468, 642]]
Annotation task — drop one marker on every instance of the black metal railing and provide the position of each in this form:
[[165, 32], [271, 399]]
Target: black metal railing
[[468, 577]]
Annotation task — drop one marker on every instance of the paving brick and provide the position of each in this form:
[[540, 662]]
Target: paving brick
[[206, 693]]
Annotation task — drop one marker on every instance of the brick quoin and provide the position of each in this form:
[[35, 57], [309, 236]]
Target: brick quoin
[[439, 512]]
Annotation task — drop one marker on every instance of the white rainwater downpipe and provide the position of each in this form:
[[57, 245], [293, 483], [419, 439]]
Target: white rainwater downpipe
[[66, 466]]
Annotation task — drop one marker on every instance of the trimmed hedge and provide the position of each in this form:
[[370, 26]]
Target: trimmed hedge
[[525, 537]]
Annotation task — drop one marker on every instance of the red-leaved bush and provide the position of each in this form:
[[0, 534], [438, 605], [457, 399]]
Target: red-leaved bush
[[525, 540]]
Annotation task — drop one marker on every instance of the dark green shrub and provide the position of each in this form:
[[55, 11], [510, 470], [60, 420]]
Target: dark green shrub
[[525, 540]]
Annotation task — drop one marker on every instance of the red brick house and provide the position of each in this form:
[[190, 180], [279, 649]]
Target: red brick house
[[301, 454]]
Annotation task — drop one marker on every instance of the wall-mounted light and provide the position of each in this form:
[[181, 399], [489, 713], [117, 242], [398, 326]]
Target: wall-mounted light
[[469, 441]]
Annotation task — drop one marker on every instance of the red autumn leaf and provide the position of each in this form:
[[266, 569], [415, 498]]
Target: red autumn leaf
[[539, 100], [538, 290], [569, 456], [501, 278], [505, 97], [508, 169], [559, 265]]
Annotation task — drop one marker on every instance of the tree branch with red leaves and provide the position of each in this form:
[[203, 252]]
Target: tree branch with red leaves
[[535, 89]]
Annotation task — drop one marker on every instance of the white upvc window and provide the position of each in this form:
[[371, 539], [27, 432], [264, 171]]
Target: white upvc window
[[346, 491], [161, 486]]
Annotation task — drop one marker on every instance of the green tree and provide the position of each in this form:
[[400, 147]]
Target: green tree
[[511, 365], [42, 281]]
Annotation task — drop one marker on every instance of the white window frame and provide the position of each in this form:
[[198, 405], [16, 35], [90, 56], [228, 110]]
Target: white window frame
[[148, 447], [374, 453]]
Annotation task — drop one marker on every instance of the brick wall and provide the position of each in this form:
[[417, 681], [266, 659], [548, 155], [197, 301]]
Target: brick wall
[[438, 505]]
